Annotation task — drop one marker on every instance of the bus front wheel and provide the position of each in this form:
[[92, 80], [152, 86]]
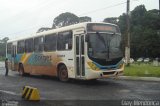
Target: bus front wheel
[[63, 73], [21, 70]]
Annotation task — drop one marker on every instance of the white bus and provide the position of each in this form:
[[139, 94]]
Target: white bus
[[81, 51]]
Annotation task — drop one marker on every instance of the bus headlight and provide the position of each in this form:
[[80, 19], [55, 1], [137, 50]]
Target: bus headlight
[[93, 66]]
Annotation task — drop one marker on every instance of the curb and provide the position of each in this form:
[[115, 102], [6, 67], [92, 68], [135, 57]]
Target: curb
[[139, 78]]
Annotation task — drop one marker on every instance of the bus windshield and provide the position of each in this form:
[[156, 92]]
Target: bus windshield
[[104, 46]]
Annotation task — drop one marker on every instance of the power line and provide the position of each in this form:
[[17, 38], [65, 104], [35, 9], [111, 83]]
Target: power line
[[41, 6], [93, 11], [96, 10], [34, 27]]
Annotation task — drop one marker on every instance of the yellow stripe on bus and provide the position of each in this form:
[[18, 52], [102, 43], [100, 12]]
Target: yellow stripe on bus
[[25, 57]]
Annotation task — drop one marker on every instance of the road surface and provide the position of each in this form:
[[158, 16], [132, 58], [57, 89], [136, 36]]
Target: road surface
[[90, 93]]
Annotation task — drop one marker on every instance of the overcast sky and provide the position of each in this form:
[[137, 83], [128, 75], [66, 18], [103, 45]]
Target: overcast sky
[[23, 17]]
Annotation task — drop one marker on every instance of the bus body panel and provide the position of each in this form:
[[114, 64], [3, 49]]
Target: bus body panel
[[46, 63], [102, 73]]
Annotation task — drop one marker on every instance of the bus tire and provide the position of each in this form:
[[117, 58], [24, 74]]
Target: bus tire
[[63, 73], [21, 70]]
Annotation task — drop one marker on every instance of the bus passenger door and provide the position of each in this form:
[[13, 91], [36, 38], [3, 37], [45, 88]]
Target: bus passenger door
[[80, 59], [13, 55]]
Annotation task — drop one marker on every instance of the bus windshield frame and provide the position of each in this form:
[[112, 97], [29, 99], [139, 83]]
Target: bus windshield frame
[[104, 43]]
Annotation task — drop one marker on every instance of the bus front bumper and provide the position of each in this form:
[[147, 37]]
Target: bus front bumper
[[104, 74]]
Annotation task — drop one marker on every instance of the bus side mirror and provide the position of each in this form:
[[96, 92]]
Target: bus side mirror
[[113, 33], [86, 38]]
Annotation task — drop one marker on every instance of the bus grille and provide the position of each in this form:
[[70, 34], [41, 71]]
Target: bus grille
[[108, 73]]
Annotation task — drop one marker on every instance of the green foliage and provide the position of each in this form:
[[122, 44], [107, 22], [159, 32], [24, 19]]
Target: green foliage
[[43, 29], [138, 15], [67, 18], [4, 40], [113, 20], [143, 70], [3, 47], [122, 25], [2, 58], [85, 19], [144, 30]]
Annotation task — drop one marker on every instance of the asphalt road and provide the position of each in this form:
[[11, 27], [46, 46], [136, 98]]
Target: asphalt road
[[90, 93]]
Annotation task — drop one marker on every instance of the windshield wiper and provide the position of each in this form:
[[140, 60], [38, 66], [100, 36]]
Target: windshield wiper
[[107, 46], [101, 38]]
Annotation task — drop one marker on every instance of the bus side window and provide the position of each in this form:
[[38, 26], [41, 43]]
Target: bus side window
[[50, 42], [69, 42], [60, 42], [64, 41], [29, 45], [38, 44], [12, 51], [21, 46]]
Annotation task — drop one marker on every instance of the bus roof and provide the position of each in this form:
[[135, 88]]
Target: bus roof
[[65, 28]]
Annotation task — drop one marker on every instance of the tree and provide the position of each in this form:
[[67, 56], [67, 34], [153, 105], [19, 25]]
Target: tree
[[122, 25], [5, 39], [138, 15], [65, 19], [151, 33], [152, 19], [113, 20], [3, 46], [43, 29], [145, 32], [137, 30], [85, 19]]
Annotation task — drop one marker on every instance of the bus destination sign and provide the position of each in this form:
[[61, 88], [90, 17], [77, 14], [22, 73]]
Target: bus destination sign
[[101, 28]]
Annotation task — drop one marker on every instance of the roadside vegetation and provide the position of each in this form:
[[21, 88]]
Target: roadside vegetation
[[2, 58], [142, 70], [3, 42]]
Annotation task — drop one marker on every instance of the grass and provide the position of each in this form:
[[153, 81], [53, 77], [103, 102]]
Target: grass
[[142, 70]]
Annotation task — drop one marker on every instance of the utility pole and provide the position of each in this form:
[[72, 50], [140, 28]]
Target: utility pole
[[159, 7], [127, 45]]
